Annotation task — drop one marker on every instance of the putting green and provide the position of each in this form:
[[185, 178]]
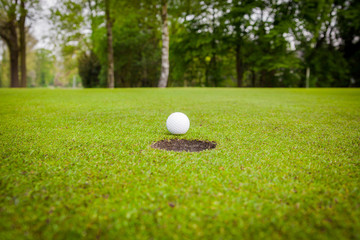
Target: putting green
[[79, 164]]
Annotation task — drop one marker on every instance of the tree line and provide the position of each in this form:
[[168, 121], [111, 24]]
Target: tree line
[[212, 43]]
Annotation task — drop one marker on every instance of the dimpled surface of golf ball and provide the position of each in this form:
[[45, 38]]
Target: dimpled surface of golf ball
[[178, 123]]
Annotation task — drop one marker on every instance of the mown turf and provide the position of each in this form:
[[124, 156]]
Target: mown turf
[[78, 164]]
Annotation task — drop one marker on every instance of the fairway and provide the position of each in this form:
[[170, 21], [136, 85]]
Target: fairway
[[79, 164]]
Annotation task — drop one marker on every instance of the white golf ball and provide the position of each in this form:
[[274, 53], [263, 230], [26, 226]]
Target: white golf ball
[[178, 123]]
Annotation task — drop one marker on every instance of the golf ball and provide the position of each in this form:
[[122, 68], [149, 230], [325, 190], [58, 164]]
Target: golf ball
[[178, 123]]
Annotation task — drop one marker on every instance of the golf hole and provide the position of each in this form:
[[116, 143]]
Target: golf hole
[[180, 145]]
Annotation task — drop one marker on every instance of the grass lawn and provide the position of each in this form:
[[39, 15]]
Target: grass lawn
[[78, 164]]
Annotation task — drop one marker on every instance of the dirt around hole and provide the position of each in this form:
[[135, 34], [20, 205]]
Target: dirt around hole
[[179, 145]]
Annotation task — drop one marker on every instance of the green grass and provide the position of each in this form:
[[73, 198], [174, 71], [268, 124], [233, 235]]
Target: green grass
[[78, 164]]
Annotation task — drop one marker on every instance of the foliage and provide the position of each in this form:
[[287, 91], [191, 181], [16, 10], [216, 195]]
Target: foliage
[[44, 67], [4, 67], [214, 43], [349, 31], [330, 69], [73, 20], [89, 70], [136, 45]]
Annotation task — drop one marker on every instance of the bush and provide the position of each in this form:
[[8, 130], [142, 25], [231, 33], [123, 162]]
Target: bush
[[89, 69]]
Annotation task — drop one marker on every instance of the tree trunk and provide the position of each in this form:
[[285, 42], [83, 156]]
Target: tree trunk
[[262, 78], [239, 66], [165, 66], [253, 75], [22, 44], [14, 66], [213, 70], [145, 80], [9, 34], [207, 75], [307, 77], [110, 50]]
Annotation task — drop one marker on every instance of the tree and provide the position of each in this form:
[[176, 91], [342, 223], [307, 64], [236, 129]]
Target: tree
[[312, 28], [12, 23], [4, 65], [70, 18], [200, 43], [272, 56], [89, 70], [236, 22], [22, 33], [110, 51], [165, 66], [136, 42], [44, 69], [348, 26], [8, 31]]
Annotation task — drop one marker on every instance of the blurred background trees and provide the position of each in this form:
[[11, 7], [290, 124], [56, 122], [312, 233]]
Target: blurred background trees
[[212, 43]]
